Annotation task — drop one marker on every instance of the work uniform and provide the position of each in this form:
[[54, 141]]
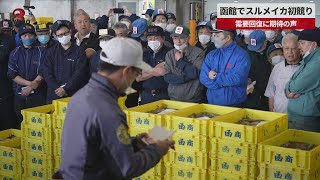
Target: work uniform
[[183, 75], [89, 41], [154, 88], [50, 44], [95, 140], [280, 75], [27, 63], [304, 111], [210, 47], [7, 118], [65, 68], [232, 65]]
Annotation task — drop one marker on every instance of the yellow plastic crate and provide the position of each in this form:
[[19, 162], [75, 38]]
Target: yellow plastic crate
[[182, 123], [37, 146], [12, 133], [44, 19], [234, 166], [58, 121], [270, 172], [122, 102], [174, 171], [133, 131], [6, 176], [57, 135], [60, 106], [38, 116], [139, 117], [57, 162], [36, 132], [56, 149], [234, 149], [11, 151], [10, 167], [190, 143], [227, 176], [36, 174], [144, 177], [228, 130], [187, 158], [270, 152], [38, 161]]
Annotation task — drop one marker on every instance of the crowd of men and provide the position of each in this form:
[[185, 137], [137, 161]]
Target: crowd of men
[[271, 70]]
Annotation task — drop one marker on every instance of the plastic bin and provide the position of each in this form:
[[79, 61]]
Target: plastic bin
[[139, 117], [186, 158], [9, 135], [11, 151], [36, 132], [58, 121], [174, 171], [37, 146], [38, 161], [60, 106], [182, 123], [228, 130], [38, 116], [270, 152], [190, 143]]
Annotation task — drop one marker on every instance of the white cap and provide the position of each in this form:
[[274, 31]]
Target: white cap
[[121, 51]]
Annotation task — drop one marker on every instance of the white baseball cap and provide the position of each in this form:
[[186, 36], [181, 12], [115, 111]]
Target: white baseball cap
[[121, 51]]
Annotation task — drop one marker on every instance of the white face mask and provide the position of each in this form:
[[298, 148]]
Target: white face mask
[[204, 39], [162, 25], [180, 48], [154, 45], [283, 33], [307, 53], [276, 59], [103, 43], [247, 33], [270, 35], [170, 27], [218, 42], [64, 39]]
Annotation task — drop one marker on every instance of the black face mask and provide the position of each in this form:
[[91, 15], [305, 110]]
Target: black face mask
[[19, 23]]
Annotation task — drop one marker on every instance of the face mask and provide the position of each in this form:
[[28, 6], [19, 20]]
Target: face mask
[[103, 43], [162, 25], [28, 42], [43, 39], [307, 53], [154, 45], [276, 59], [64, 40], [219, 43], [126, 23], [180, 48], [283, 33], [270, 35], [247, 33], [170, 27], [204, 39]]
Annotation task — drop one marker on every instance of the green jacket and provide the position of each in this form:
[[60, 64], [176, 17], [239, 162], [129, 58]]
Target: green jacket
[[306, 81]]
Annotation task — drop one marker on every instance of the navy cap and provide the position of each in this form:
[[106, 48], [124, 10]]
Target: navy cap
[[139, 26], [273, 47], [159, 12], [180, 31], [171, 16], [257, 39], [310, 35], [204, 23], [6, 24], [148, 11], [26, 28], [58, 24], [155, 31]]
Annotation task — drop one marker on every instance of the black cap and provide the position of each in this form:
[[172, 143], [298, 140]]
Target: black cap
[[171, 16], [310, 35], [155, 31], [148, 11], [26, 28], [58, 24], [6, 24]]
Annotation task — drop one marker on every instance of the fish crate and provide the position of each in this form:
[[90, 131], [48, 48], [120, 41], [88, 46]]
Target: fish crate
[[9, 176], [188, 158], [11, 167], [58, 121], [37, 174], [56, 149], [227, 176], [122, 102], [6, 136], [60, 106], [177, 172], [37, 132], [37, 146], [11, 150], [38, 161], [57, 162], [57, 134], [40, 116], [190, 143]]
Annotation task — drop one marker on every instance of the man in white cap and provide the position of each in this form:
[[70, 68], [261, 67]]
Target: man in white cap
[[95, 140]]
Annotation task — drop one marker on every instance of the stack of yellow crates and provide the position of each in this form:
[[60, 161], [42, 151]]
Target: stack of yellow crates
[[36, 128], [234, 146], [190, 159], [141, 120], [10, 155], [278, 162]]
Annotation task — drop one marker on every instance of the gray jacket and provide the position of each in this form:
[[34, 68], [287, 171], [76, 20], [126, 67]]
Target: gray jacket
[[183, 75]]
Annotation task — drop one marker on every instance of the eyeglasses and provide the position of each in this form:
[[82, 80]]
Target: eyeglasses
[[64, 34]]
